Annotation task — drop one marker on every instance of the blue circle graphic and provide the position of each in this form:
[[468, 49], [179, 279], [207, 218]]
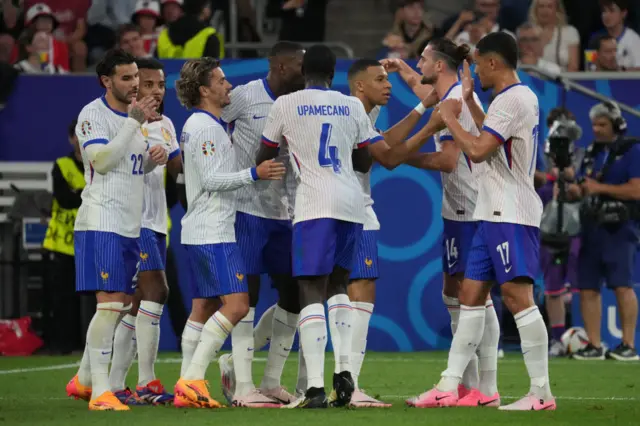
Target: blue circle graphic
[[398, 335], [414, 306], [433, 233]]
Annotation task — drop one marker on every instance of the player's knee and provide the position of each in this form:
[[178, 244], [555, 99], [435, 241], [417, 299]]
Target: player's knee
[[135, 305], [362, 291], [451, 285], [518, 294], [158, 294]]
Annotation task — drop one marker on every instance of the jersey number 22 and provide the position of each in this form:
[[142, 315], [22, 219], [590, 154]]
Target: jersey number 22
[[137, 164], [328, 155]]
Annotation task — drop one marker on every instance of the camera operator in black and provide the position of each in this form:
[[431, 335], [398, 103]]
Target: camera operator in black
[[610, 187]]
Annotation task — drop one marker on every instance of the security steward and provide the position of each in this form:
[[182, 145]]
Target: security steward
[[65, 332], [191, 36], [610, 189]]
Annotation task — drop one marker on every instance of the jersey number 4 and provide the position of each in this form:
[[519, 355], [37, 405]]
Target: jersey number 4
[[137, 164], [328, 155]]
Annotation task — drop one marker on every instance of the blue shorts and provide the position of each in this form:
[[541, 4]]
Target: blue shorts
[[216, 269], [319, 245], [501, 252], [153, 250], [105, 261], [456, 243], [265, 244], [365, 265], [606, 256]]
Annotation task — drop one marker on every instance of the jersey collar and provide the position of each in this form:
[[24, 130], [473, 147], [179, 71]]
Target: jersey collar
[[121, 114], [457, 83], [210, 115], [267, 89]]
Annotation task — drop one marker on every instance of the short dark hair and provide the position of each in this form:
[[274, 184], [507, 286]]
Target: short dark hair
[[361, 65], [71, 130], [194, 73], [283, 48], [607, 4], [113, 58], [319, 62], [149, 64], [195, 7], [596, 42], [452, 54], [558, 112], [502, 44], [124, 29]]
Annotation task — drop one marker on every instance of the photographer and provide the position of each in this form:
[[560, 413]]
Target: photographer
[[610, 189]]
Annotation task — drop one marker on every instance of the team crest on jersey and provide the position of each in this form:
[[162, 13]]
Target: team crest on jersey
[[166, 134], [239, 276], [104, 275], [145, 132], [368, 262], [85, 128], [208, 148], [144, 256]]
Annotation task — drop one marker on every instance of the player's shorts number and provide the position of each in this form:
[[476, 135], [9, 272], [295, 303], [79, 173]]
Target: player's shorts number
[[452, 250], [534, 157], [137, 164], [503, 249], [328, 155]]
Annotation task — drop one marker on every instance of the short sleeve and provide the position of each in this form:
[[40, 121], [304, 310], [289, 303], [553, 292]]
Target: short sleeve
[[92, 128], [174, 147], [634, 162], [367, 135], [209, 151], [502, 118], [570, 35], [272, 135], [239, 103]]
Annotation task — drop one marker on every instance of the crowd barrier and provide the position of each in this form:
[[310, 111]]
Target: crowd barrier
[[409, 315]]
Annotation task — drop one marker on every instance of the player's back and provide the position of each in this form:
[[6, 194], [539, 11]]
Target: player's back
[[506, 192], [111, 202], [321, 128], [210, 216], [460, 187], [246, 116]]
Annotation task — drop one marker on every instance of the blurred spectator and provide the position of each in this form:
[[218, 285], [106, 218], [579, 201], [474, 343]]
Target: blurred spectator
[[614, 15], [130, 40], [530, 48], [34, 54], [302, 20], [105, 17], [191, 36], [488, 9], [603, 54], [71, 28], [11, 25], [171, 10], [411, 31], [147, 18], [561, 41]]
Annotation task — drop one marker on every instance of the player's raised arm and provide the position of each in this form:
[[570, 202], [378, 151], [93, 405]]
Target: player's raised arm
[[104, 154], [272, 135], [397, 134], [411, 77], [468, 94]]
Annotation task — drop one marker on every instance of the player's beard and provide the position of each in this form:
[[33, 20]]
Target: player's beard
[[431, 80], [122, 97]]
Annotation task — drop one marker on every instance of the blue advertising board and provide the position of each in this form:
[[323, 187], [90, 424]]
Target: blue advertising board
[[409, 315]]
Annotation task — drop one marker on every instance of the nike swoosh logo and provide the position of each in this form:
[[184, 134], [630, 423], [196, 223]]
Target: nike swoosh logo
[[482, 404], [155, 323], [508, 269], [438, 398], [451, 265], [106, 353], [249, 349], [258, 117]]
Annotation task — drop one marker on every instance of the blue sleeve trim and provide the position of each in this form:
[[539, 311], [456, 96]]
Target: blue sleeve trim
[[446, 138], [174, 154], [494, 133], [254, 174], [92, 141], [269, 142], [376, 139]]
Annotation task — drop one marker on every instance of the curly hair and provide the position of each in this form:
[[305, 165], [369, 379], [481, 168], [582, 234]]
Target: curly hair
[[194, 73]]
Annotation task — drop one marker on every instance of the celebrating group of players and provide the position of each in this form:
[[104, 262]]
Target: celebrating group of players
[[276, 174]]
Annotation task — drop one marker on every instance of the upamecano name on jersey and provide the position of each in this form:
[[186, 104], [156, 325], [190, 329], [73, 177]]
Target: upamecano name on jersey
[[323, 110]]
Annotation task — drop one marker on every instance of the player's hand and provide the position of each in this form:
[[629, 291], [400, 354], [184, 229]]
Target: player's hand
[[143, 110], [467, 81], [271, 170], [450, 109], [436, 123], [591, 186], [392, 65], [466, 16], [158, 155], [431, 100]]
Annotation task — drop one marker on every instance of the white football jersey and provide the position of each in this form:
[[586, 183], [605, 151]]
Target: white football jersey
[[208, 154], [322, 127], [460, 187], [111, 202], [154, 206], [506, 192], [370, 219], [247, 115]]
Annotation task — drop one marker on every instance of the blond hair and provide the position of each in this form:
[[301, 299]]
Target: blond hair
[[561, 14], [194, 74]]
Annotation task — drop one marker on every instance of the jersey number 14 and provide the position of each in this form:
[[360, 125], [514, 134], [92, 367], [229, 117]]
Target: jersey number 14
[[327, 154]]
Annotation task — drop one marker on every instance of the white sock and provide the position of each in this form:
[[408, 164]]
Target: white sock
[[463, 346], [301, 383], [535, 349], [190, 339], [84, 371], [284, 330], [470, 375], [242, 349], [313, 339], [100, 342], [214, 333], [488, 352], [148, 335], [362, 312], [264, 328], [124, 351], [340, 325]]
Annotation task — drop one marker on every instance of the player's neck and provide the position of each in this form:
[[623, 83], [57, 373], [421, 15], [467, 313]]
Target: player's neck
[[368, 105], [275, 87], [316, 83], [509, 78], [444, 83], [214, 110], [115, 104]]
